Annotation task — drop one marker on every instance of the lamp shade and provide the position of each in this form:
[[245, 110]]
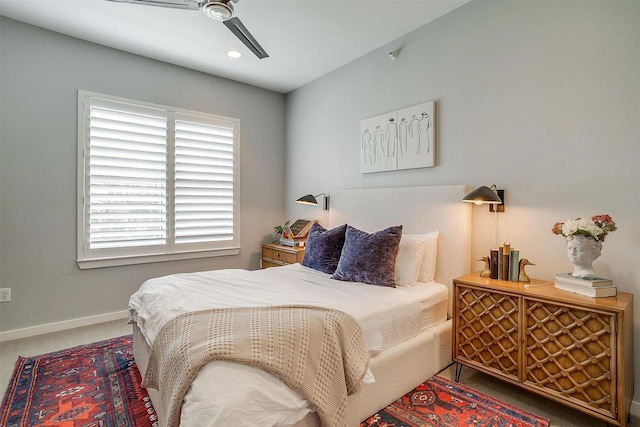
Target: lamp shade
[[483, 195], [309, 199]]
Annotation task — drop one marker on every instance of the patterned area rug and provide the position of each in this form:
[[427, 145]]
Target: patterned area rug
[[440, 402], [98, 385], [95, 385]]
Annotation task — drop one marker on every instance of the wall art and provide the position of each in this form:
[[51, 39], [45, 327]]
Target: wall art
[[402, 139]]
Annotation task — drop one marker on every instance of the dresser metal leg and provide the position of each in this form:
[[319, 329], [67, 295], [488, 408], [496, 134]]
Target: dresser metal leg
[[458, 372]]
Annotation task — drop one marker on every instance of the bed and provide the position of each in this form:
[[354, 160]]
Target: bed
[[406, 330]]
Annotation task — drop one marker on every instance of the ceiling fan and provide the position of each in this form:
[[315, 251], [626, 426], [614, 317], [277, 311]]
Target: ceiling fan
[[221, 10]]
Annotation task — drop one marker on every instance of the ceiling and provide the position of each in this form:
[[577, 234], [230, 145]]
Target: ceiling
[[304, 38]]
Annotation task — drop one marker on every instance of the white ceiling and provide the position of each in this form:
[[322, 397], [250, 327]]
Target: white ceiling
[[304, 38]]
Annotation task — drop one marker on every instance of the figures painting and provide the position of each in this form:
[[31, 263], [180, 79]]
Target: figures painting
[[402, 139]]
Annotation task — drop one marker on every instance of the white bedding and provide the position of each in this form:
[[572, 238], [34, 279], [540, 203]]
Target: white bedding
[[253, 397], [387, 315]]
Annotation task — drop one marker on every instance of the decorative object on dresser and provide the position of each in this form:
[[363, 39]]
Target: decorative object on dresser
[[522, 274], [300, 228], [505, 264], [275, 255], [294, 234], [588, 291], [566, 347], [595, 288], [281, 229], [584, 239], [486, 271]]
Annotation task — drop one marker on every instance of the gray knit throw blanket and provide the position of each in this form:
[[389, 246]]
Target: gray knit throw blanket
[[318, 352]]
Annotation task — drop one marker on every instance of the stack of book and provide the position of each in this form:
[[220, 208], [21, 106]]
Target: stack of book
[[595, 288], [504, 263]]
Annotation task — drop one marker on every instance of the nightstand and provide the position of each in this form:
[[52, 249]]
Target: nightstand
[[275, 255], [569, 348]]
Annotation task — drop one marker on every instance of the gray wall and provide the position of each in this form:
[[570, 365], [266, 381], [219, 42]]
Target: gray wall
[[40, 74], [540, 98]]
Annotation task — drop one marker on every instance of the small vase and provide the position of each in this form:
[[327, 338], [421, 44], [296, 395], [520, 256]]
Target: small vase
[[582, 251]]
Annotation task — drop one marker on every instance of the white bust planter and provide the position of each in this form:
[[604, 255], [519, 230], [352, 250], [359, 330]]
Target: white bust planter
[[582, 251]]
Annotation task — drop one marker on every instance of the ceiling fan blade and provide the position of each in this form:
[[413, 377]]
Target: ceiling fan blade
[[175, 4], [237, 27]]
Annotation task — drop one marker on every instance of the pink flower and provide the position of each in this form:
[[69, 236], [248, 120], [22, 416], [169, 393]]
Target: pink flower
[[602, 220], [557, 228]]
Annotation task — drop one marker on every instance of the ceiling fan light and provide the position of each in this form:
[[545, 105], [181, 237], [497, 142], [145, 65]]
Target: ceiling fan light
[[218, 10]]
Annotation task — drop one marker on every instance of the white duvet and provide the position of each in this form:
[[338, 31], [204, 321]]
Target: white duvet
[[247, 396]]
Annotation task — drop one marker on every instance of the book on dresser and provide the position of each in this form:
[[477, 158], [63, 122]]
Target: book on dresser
[[597, 282], [504, 263], [514, 267], [493, 263], [589, 291]]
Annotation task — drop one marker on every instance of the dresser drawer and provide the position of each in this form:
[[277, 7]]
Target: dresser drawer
[[277, 255], [274, 255], [268, 263]]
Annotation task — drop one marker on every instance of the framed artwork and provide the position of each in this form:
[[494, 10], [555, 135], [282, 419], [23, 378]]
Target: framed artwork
[[402, 139]]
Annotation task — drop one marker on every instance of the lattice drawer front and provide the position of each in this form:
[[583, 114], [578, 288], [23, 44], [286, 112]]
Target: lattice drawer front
[[572, 352], [487, 329]]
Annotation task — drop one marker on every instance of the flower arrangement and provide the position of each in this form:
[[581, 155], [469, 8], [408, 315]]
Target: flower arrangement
[[597, 227]]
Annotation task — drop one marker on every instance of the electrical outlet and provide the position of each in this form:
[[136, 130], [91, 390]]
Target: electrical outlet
[[5, 294]]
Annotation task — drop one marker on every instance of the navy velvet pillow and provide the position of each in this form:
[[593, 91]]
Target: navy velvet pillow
[[369, 257], [324, 248]]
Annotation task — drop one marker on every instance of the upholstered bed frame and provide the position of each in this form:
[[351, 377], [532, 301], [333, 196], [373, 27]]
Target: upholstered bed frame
[[399, 369]]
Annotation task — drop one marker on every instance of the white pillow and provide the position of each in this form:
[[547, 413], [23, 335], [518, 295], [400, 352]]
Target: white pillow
[[428, 267], [409, 259]]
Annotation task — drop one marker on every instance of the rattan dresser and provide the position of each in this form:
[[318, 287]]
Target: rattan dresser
[[573, 349]]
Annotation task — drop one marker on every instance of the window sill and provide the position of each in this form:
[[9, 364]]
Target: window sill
[[87, 264]]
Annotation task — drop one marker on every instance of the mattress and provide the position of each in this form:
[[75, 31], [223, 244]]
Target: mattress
[[387, 316]]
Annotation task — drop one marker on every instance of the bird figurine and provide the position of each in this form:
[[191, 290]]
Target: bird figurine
[[523, 276], [486, 272]]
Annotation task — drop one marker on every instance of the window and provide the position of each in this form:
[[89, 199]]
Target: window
[[155, 183]]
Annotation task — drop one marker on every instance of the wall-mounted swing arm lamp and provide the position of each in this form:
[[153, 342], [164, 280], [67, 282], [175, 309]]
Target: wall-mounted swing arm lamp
[[485, 195], [491, 196], [310, 199]]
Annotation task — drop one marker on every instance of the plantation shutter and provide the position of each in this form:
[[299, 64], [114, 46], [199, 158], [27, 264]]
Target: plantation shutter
[[204, 185], [128, 173], [155, 183]]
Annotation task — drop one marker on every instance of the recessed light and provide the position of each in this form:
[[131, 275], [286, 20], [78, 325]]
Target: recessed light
[[234, 54]]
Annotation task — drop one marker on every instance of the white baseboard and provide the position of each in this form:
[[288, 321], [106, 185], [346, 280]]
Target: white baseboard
[[61, 326], [635, 410]]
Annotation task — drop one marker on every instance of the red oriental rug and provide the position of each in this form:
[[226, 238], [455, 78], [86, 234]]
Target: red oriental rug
[[440, 402], [94, 385], [98, 385]]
